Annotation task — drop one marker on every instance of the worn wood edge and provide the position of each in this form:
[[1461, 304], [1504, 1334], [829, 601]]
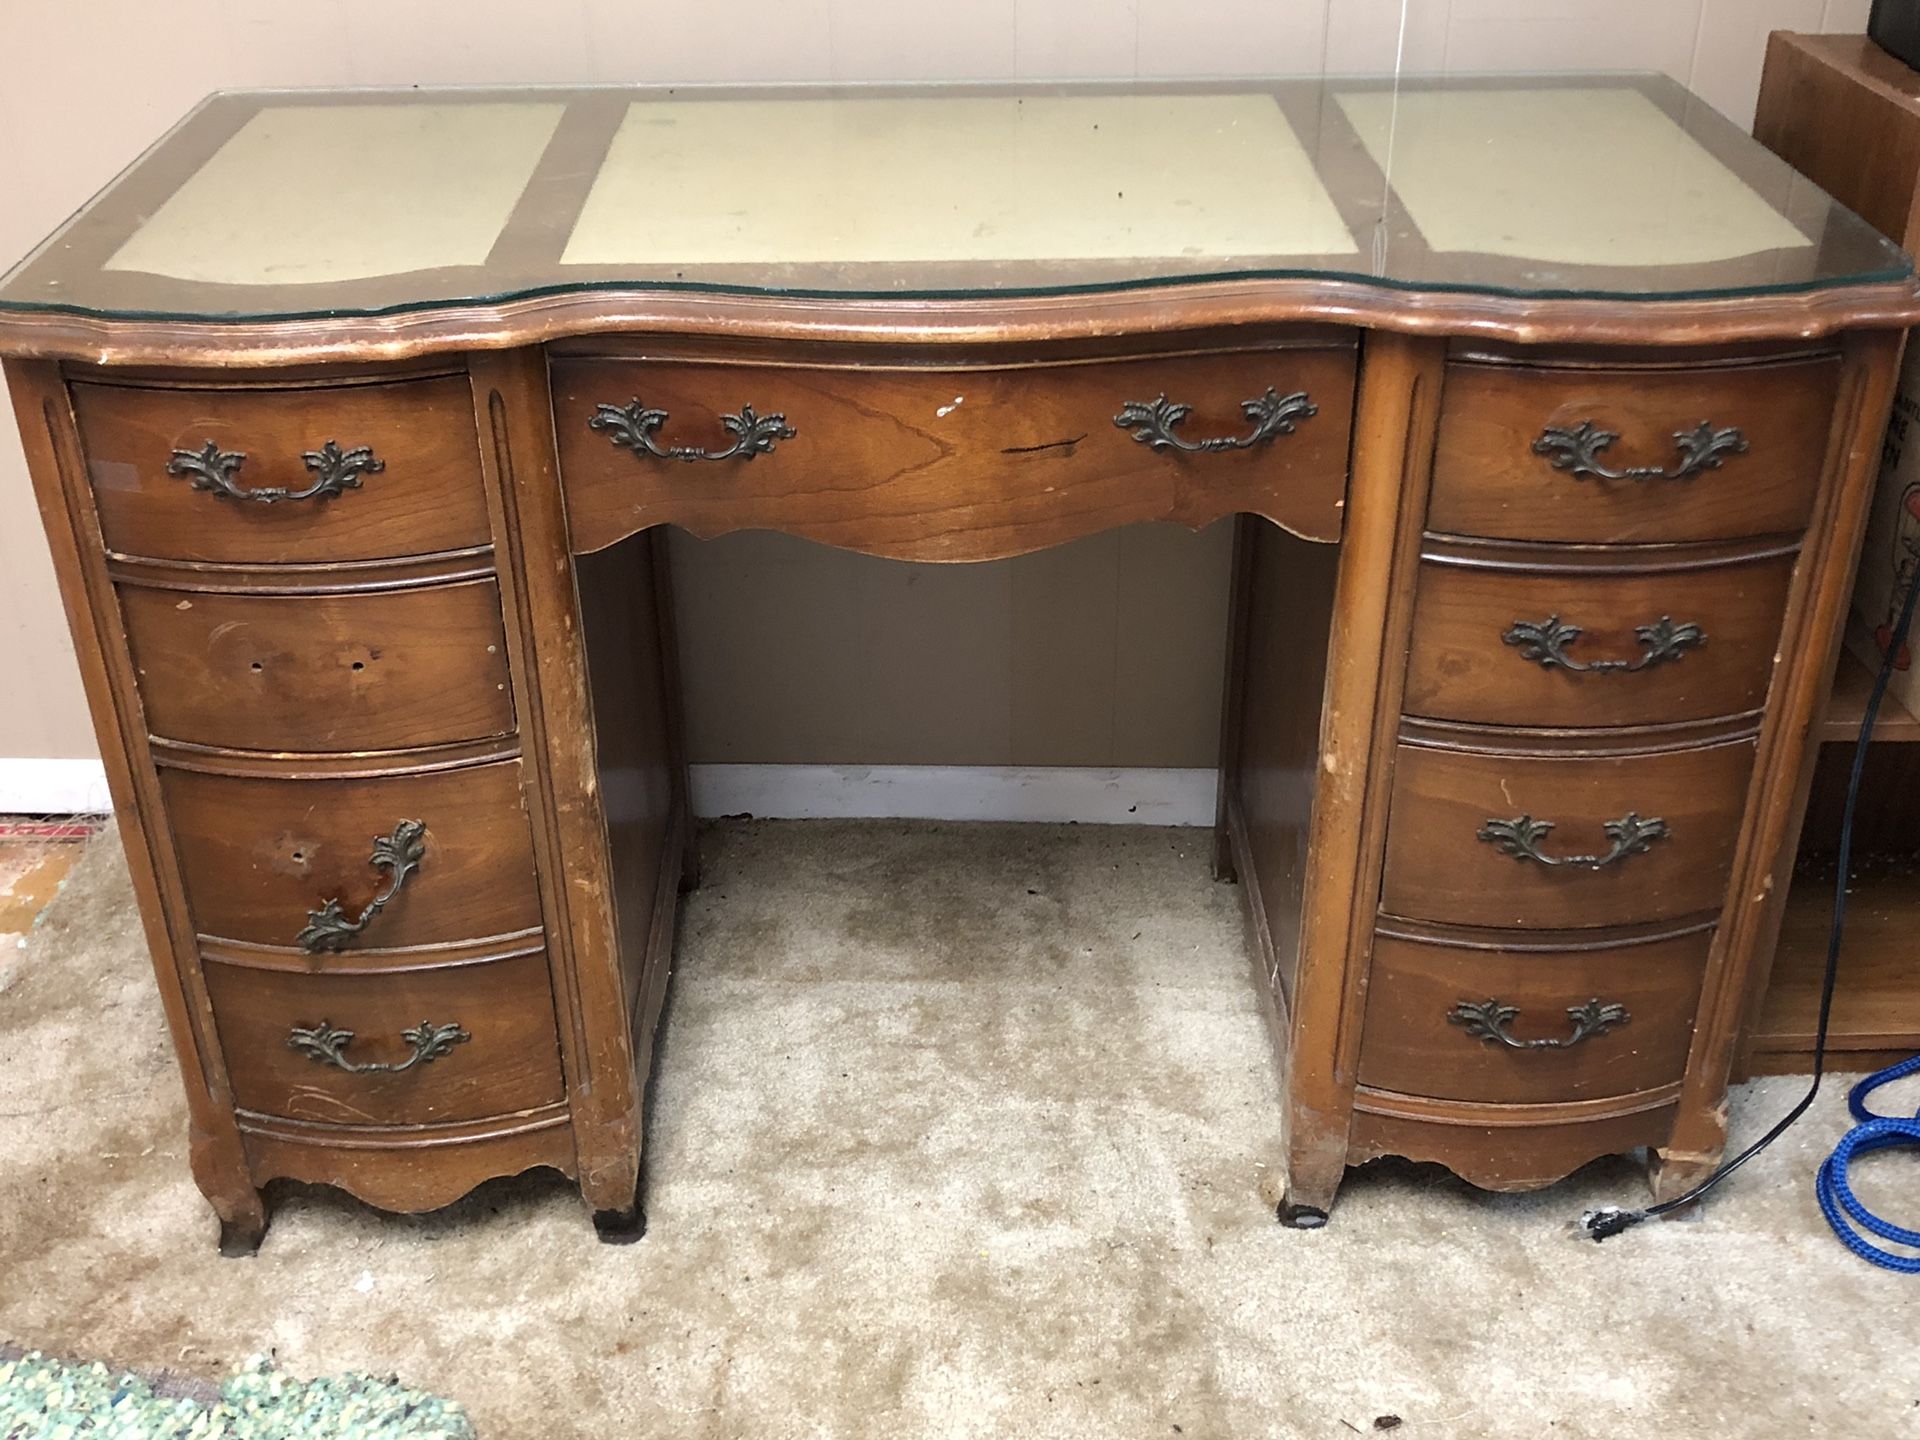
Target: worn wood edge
[[1498, 1115], [1530, 557], [1396, 419], [536, 319], [553, 700], [353, 577], [445, 955], [333, 765], [1540, 941], [216, 1153], [390, 1137]]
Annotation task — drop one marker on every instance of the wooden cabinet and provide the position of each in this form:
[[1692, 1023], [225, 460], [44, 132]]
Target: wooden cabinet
[[1847, 115]]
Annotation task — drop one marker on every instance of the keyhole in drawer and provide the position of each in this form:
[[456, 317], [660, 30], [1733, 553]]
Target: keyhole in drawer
[[255, 667], [359, 664]]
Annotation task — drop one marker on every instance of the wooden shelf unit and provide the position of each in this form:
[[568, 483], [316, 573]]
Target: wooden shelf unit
[[1847, 707], [1847, 115]]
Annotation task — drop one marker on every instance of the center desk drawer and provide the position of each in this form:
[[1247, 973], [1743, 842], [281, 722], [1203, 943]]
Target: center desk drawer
[[263, 856], [281, 474], [932, 464], [1615, 454], [1563, 841], [381, 670]]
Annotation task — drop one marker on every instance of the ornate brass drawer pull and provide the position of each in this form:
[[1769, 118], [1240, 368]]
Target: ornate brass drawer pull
[[328, 928], [1546, 641], [1488, 1020], [1577, 451], [1272, 415], [1520, 837], [328, 1046], [633, 426], [335, 471]]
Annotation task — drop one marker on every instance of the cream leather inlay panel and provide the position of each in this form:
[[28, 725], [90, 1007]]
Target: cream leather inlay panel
[[1563, 176], [967, 178], [304, 194]]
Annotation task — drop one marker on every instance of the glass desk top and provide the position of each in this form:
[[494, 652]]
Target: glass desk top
[[285, 204]]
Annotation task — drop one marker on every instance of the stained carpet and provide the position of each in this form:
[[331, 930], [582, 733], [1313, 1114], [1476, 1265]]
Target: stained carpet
[[961, 1131]]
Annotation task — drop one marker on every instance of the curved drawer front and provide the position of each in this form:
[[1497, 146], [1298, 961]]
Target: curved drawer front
[[1701, 454], [1592, 644], [413, 1047], [271, 475], [381, 670], [947, 464], [262, 857], [1631, 837], [1456, 1022]]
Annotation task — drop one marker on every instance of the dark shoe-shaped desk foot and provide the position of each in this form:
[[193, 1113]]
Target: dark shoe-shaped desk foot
[[1301, 1217], [620, 1227], [240, 1239]]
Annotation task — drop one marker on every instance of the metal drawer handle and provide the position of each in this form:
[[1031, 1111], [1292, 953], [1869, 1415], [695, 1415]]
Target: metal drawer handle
[[1546, 641], [1577, 451], [1272, 414], [1488, 1020], [328, 928], [633, 426], [1520, 837], [335, 471], [328, 1046]]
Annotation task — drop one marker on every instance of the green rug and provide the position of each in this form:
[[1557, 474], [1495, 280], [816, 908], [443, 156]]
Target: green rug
[[42, 1399]]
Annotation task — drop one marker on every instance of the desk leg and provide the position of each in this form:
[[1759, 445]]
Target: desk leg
[[608, 812], [1319, 657]]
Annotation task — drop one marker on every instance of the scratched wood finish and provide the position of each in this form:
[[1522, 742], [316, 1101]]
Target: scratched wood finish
[[1412, 1045], [1462, 665], [955, 464], [258, 853], [379, 670], [1436, 868], [426, 499], [1489, 480], [510, 1062]]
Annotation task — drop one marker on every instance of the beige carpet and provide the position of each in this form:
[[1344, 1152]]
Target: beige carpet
[[961, 1131]]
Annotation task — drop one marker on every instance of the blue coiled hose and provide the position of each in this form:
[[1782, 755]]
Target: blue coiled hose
[[1844, 1212]]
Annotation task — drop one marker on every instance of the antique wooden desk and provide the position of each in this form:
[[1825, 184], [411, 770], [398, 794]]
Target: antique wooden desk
[[1549, 409]]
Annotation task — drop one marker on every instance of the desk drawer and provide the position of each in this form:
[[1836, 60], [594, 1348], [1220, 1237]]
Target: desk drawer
[[381, 670], [1531, 1024], [261, 856], [1592, 640], [1711, 453], [424, 496], [1633, 836], [950, 463], [413, 1047]]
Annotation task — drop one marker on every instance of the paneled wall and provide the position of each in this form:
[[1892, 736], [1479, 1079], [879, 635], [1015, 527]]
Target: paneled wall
[[1102, 653]]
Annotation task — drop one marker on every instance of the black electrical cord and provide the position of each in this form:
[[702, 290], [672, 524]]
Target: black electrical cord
[[1610, 1220]]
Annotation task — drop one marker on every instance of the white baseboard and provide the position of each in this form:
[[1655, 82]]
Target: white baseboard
[[1052, 793], [53, 787]]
